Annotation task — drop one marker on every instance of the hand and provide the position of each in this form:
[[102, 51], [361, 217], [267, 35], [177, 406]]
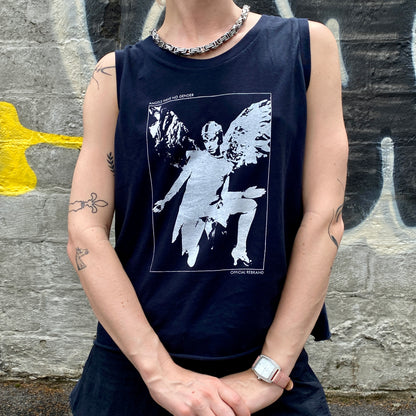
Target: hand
[[253, 192], [185, 393], [159, 206], [257, 394]]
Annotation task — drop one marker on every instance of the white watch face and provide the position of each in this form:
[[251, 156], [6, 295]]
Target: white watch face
[[265, 368]]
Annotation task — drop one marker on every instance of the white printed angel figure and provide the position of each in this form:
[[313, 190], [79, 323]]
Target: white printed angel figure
[[205, 174]]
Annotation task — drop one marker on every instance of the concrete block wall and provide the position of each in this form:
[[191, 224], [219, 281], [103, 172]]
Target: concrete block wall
[[46, 325], [48, 49]]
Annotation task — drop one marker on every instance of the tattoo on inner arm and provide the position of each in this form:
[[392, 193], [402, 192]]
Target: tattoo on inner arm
[[101, 69], [335, 219], [81, 252], [93, 203], [110, 162]]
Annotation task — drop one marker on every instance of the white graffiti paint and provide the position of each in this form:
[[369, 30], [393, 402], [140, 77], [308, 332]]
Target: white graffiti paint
[[284, 8], [71, 33], [333, 26], [383, 230], [152, 19]]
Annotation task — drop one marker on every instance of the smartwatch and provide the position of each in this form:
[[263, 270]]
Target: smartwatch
[[267, 370]]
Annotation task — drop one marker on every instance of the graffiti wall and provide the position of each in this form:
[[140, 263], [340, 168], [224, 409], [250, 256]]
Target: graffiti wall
[[48, 50]]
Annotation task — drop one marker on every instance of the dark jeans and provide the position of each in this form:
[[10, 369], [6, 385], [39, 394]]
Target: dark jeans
[[111, 386]]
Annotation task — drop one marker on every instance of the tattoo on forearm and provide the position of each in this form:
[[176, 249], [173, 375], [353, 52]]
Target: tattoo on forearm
[[100, 68], [93, 203], [334, 220], [110, 162], [81, 252]]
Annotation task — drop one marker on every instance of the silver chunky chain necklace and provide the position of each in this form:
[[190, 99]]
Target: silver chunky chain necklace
[[210, 46]]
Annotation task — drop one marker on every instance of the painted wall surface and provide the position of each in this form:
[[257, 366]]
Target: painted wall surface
[[48, 49]]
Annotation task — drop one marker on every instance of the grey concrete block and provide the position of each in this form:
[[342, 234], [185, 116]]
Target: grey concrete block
[[53, 166], [34, 69], [34, 216], [334, 364], [66, 312], [393, 275], [49, 112], [23, 355], [37, 265], [383, 370], [21, 216], [350, 270], [19, 310], [55, 217], [23, 20]]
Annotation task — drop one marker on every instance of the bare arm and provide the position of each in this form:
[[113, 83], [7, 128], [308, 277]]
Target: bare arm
[[109, 290], [321, 229]]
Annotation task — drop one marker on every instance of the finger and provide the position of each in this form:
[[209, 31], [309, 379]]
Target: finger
[[220, 408], [206, 412], [234, 401], [203, 404]]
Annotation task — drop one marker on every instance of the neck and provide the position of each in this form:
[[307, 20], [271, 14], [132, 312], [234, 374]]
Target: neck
[[191, 23]]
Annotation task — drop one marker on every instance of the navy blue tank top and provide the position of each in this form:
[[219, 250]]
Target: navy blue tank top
[[208, 186]]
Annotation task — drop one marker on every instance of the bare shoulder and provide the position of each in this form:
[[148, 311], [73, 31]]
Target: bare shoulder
[[108, 60], [100, 103], [322, 40], [104, 72]]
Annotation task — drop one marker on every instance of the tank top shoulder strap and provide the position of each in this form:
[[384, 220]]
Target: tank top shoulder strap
[[119, 71], [305, 48]]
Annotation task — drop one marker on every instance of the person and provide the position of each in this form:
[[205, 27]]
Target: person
[[175, 144]]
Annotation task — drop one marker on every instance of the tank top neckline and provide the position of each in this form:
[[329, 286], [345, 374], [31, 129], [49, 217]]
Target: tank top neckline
[[189, 63]]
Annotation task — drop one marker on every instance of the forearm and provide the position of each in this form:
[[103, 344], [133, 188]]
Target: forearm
[[117, 307], [114, 301], [304, 291]]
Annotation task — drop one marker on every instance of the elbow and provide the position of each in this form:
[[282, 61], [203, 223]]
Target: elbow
[[330, 224], [71, 248], [87, 236], [71, 245], [71, 253]]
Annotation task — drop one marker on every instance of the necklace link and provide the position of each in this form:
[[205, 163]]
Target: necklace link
[[205, 48]]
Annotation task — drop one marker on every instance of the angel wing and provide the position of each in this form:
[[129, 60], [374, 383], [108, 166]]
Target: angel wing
[[248, 137], [171, 136]]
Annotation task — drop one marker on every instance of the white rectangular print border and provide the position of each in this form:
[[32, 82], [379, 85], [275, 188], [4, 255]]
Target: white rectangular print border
[[209, 164]]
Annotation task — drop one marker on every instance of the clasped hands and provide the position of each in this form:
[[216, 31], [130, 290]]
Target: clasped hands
[[186, 393]]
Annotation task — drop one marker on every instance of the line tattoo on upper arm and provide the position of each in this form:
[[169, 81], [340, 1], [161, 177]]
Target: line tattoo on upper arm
[[101, 69], [81, 252], [93, 203], [334, 220], [111, 163]]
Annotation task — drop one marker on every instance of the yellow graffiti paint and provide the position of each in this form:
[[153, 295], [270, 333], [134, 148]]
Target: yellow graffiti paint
[[16, 176]]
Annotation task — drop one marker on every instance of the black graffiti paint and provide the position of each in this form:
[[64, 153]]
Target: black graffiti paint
[[379, 99]]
